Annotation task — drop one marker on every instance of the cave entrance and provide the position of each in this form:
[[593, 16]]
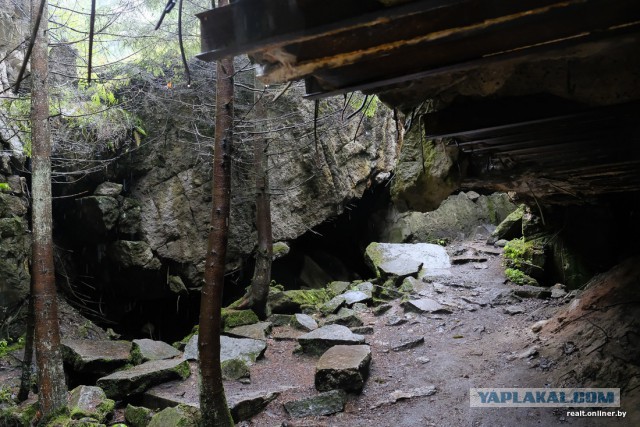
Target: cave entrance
[[334, 250]]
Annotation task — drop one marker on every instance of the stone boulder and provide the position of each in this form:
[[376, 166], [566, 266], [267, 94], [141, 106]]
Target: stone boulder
[[137, 416], [88, 401], [141, 377], [405, 259], [243, 406], [246, 349], [345, 317], [458, 217], [510, 227], [426, 173], [110, 189], [294, 301], [318, 341], [332, 305], [97, 213], [145, 350], [95, 356], [256, 331], [352, 297], [179, 416], [304, 322], [130, 254], [344, 367], [325, 403], [425, 305]]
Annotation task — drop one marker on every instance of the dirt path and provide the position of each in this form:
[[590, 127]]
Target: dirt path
[[484, 341], [477, 345]]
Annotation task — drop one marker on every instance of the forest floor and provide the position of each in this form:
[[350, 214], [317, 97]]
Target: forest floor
[[474, 346], [485, 341]]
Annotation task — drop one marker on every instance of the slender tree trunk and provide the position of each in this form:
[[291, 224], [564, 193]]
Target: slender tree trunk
[[25, 379], [213, 402], [52, 392], [256, 297]]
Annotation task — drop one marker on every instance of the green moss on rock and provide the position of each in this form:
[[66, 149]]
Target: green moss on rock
[[519, 278], [234, 369], [178, 416], [137, 416], [232, 318]]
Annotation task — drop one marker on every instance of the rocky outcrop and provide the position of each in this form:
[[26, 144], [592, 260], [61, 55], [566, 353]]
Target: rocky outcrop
[[427, 172], [172, 181], [459, 216]]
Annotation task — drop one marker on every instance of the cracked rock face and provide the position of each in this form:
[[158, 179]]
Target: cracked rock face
[[173, 184]]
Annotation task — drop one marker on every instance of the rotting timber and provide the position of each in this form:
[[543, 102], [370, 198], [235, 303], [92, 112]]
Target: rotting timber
[[539, 97]]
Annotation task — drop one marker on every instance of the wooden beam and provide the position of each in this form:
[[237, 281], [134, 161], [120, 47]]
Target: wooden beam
[[541, 30]]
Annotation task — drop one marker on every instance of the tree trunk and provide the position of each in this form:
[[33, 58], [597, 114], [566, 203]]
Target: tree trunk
[[213, 402], [52, 390], [256, 297], [25, 379]]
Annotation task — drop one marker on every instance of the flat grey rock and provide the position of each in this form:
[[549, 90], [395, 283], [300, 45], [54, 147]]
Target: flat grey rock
[[408, 344], [338, 287], [344, 316], [147, 349], [405, 259], [326, 403], [256, 331], [304, 322], [332, 305], [318, 341], [425, 305], [352, 297], [142, 377], [246, 349], [513, 309], [246, 405], [96, 356], [344, 367]]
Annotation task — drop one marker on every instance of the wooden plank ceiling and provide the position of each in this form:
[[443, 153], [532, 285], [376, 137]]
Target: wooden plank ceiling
[[339, 46]]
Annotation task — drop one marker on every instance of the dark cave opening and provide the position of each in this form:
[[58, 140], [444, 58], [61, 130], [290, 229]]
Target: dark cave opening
[[334, 250]]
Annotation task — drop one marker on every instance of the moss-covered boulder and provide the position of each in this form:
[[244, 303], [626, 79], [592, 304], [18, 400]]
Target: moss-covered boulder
[[234, 369], [232, 318], [87, 401], [137, 416], [527, 256], [178, 416], [511, 227], [426, 173], [294, 301], [22, 415]]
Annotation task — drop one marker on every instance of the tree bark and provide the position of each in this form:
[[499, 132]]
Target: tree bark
[[258, 292], [52, 390], [213, 402]]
